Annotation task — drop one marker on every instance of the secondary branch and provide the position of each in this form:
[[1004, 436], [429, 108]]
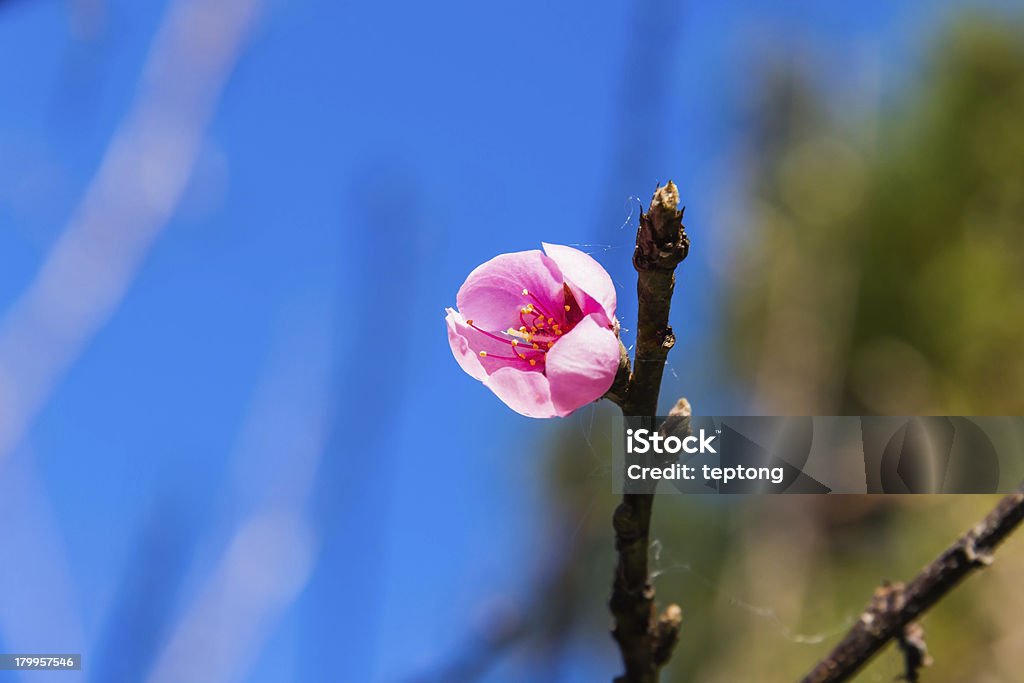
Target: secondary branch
[[894, 607]]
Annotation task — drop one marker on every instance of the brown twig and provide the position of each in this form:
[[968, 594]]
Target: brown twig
[[915, 652], [894, 606], [646, 642]]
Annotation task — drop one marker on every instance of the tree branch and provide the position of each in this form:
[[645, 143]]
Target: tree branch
[[645, 642], [894, 607], [915, 652]]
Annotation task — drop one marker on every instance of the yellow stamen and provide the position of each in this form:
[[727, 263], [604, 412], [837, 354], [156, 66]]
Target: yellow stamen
[[536, 346], [567, 307], [483, 354], [550, 344], [469, 322], [533, 362], [525, 293], [518, 334]]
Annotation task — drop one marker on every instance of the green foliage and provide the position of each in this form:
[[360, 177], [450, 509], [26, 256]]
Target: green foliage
[[885, 267]]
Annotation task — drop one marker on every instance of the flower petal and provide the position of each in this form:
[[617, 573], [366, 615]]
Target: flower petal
[[586, 274], [492, 295], [527, 393], [468, 359], [582, 365]]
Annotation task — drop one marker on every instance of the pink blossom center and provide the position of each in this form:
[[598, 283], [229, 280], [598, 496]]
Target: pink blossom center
[[541, 326]]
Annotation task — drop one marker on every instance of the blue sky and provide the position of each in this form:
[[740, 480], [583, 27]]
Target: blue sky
[[277, 371]]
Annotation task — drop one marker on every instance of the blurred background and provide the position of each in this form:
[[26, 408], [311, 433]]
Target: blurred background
[[234, 445]]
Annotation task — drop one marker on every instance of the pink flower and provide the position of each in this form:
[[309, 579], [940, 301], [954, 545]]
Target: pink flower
[[538, 329]]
